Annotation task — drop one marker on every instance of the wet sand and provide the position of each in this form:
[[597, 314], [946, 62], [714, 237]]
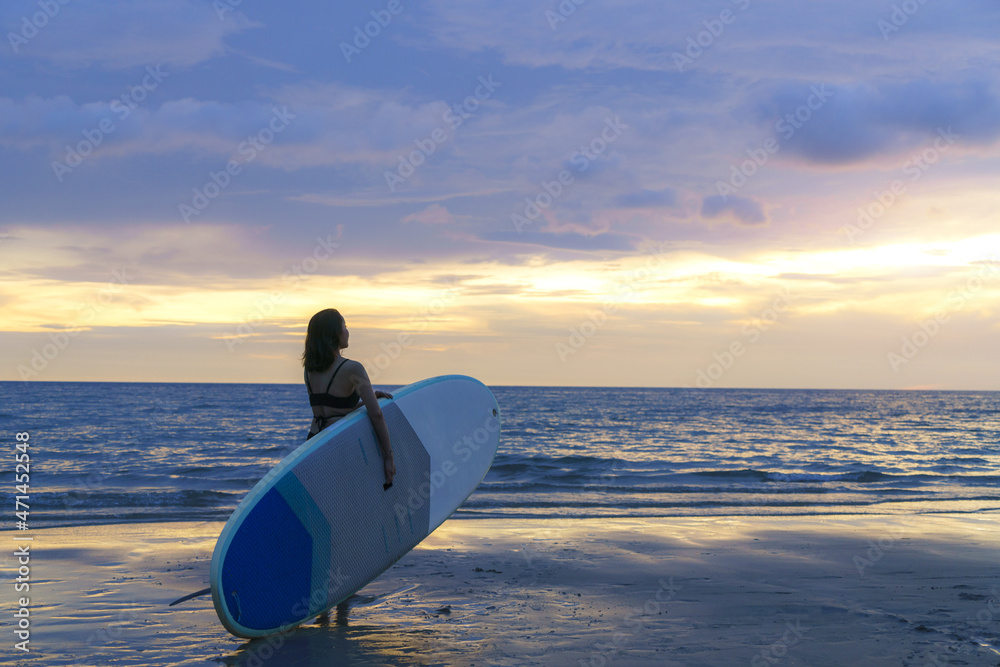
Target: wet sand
[[817, 590]]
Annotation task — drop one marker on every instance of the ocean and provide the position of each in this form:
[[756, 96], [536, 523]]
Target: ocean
[[108, 452]]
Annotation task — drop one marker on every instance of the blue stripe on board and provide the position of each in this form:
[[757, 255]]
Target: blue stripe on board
[[273, 547], [316, 524]]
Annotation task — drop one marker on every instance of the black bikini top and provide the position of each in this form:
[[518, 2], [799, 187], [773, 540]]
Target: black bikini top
[[326, 398]]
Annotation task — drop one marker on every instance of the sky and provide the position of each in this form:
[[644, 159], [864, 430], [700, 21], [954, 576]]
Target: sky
[[740, 193]]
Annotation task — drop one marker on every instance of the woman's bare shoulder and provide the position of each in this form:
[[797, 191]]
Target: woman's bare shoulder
[[355, 368]]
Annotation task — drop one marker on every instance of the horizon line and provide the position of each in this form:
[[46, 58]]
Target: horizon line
[[526, 386]]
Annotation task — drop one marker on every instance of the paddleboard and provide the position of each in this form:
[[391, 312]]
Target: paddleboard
[[320, 526]]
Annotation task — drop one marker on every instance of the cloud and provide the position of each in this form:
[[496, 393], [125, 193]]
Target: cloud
[[330, 126], [157, 255], [522, 33], [829, 278], [435, 214], [759, 41], [746, 211], [566, 240], [862, 120], [131, 33], [646, 198]]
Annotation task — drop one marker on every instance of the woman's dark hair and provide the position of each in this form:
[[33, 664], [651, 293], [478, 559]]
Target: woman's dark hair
[[322, 338]]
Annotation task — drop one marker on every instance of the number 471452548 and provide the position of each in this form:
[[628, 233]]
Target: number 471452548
[[21, 478]]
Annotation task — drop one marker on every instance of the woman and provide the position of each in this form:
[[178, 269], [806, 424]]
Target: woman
[[346, 381]]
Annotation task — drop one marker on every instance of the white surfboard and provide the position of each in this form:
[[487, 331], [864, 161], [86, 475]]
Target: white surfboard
[[320, 525]]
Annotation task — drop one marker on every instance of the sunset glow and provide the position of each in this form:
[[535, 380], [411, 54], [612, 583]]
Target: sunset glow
[[476, 190]]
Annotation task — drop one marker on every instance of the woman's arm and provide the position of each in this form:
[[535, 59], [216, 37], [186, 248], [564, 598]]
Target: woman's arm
[[363, 386]]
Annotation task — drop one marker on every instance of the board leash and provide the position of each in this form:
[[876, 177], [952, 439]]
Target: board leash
[[192, 595]]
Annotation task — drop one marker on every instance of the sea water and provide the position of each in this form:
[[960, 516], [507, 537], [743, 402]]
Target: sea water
[[135, 452]]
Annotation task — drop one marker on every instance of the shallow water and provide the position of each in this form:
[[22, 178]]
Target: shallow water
[[137, 452]]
